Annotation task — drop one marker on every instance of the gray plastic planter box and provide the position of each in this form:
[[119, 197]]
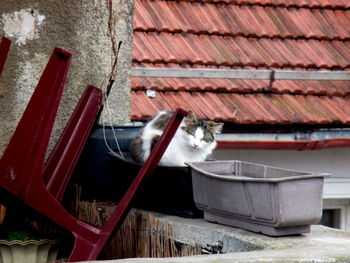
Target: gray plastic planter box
[[256, 197]]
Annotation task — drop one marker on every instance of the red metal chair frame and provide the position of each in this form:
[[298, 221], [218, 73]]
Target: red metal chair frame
[[25, 175], [4, 50]]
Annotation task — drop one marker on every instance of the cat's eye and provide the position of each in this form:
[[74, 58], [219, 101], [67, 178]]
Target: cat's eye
[[208, 137], [191, 132]]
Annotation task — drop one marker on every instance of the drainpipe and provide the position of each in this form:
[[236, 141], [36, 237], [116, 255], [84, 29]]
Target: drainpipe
[[315, 140]]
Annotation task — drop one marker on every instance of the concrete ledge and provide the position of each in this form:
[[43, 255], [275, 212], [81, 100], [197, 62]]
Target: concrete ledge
[[322, 244]]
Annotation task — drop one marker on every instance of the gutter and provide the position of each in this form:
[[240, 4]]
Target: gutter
[[310, 140]]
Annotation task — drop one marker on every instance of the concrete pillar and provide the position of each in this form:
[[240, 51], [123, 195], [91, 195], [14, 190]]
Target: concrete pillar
[[81, 27]]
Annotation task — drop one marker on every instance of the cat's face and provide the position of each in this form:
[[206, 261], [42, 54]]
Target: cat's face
[[200, 133]]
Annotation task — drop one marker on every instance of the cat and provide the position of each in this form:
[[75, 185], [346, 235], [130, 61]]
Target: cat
[[194, 141]]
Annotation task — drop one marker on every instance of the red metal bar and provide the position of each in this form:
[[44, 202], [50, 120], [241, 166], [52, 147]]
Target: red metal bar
[[26, 150], [4, 50], [80, 250], [22, 170], [59, 167], [21, 166]]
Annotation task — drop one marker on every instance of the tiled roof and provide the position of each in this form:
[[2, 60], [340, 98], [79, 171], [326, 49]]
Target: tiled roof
[[242, 34], [248, 108]]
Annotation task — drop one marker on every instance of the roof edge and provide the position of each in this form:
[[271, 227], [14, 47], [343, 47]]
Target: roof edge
[[320, 139], [284, 145]]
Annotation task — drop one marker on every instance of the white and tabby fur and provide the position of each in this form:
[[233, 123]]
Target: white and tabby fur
[[186, 146]]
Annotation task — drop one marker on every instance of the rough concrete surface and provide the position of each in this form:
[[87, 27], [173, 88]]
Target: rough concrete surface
[[81, 27], [322, 244]]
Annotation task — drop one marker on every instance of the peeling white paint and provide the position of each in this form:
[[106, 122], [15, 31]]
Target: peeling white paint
[[22, 25]]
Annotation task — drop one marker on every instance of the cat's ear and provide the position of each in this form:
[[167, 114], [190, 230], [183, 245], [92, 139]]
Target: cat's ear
[[191, 115], [215, 127], [191, 118]]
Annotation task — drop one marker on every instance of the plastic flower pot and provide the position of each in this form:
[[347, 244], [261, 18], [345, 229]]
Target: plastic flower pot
[[30, 251], [256, 197]]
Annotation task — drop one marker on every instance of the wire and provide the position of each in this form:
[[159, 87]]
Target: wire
[[113, 131], [113, 17]]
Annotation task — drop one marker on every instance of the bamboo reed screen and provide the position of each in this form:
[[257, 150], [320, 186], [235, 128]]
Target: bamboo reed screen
[[140, 235]]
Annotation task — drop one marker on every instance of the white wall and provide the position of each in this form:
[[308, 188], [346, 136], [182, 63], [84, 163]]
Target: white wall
[[335, 161]]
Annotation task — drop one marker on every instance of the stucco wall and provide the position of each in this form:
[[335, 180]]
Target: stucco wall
[[36, 27]]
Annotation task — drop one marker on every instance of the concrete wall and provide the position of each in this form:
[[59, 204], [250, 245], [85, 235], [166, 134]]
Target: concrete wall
[[36, 27]]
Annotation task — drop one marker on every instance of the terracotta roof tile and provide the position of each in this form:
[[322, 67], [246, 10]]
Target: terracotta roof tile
[[333, 4], [223, 50], [251, 108], [247, 20], [267, 102], [244, 34], [141, 17], [310, 87]]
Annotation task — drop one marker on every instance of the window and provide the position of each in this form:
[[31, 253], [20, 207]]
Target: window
[[336, 214]]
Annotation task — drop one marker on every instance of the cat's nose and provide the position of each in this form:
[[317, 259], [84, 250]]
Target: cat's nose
[[195, 145]]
